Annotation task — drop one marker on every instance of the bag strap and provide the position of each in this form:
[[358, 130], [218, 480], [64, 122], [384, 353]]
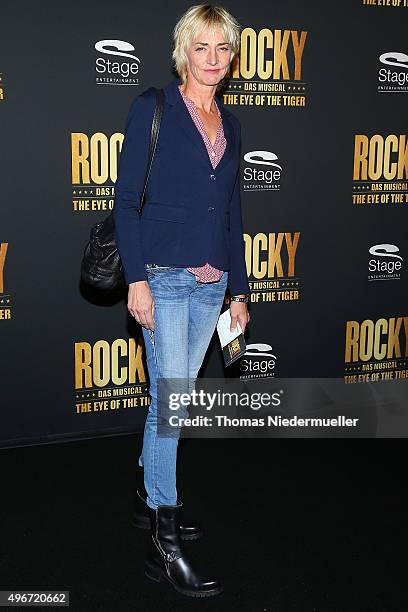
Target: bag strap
[[154, 136]]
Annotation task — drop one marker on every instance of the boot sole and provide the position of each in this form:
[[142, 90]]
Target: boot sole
[[157, 575], [141, 523]]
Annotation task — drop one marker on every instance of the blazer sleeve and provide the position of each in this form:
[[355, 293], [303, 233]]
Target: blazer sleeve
[[129, 187], [238, 279]]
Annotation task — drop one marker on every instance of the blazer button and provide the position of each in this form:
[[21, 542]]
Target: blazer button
[[213, 177], [211, 208]]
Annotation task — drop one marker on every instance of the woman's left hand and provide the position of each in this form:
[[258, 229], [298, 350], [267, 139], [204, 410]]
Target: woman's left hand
[[239, 312]]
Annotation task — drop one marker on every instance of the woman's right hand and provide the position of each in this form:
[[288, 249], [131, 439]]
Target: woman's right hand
[[141, 304]]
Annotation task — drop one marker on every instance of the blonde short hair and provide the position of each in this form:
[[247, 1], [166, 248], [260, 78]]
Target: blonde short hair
[[193, 21]]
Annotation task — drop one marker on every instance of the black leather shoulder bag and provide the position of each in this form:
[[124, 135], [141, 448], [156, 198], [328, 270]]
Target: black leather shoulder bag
[[101, 265]]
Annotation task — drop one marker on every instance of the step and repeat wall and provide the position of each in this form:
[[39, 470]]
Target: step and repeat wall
[[320, 89]]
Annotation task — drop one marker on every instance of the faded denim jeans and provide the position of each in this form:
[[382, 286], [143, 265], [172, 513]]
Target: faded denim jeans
[[185, 315]]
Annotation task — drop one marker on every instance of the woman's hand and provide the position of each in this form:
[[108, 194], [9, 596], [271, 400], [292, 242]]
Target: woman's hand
[[239, 312], [141, 304]]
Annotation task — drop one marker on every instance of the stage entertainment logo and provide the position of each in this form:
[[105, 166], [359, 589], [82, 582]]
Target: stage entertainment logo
[[384, 263], [5, 298], [271, 266], [380, 170], [376, 350], [269, 69], [393, 73], [116, 63], [109, 376], [261, 172], [258, 361]]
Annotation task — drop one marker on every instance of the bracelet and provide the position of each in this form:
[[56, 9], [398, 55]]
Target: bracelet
[[235, 298]]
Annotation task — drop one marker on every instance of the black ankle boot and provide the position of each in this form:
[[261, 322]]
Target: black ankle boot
[[141, 519], [167, 560]]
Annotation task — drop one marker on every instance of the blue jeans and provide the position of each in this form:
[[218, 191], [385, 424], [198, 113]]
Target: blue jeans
[[185, 316]]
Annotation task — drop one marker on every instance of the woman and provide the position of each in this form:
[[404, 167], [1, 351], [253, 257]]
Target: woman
[[179, 256]]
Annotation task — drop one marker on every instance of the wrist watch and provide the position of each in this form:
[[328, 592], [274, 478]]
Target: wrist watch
[[237, 298]]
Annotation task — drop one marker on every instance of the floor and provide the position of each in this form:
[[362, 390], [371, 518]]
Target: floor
[[305, 525]]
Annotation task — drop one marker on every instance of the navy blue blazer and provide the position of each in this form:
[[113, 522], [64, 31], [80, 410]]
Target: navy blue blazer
[[192, 212]]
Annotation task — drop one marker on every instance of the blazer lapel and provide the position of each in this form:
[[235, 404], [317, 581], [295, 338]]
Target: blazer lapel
[[228, 133], [181, 115]]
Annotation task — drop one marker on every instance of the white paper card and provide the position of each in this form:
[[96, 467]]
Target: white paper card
[[223, 328]]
